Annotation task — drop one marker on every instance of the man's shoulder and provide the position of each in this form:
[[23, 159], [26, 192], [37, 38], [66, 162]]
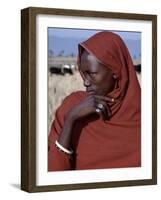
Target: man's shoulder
[[75, 97], [69, 101]]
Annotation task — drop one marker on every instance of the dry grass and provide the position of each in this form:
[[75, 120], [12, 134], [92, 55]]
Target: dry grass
[[59, 87]]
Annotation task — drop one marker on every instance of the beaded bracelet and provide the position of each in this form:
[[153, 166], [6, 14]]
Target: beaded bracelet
[[61, 148]]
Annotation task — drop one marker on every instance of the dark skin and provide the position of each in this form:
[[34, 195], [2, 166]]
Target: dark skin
[[99, 80]]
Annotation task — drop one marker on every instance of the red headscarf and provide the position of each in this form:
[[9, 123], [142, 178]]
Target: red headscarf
[[110, 50]]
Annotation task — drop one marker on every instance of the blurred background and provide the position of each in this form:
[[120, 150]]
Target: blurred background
[[63, 75]]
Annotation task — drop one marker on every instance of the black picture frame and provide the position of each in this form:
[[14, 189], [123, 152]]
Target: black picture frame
[[28, 98]]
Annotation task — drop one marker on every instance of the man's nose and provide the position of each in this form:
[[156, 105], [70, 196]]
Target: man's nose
[[87, 83]]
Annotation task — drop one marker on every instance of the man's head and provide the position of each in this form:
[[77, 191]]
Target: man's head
[[98, 78]]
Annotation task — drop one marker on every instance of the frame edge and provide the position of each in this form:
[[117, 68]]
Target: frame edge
[[154, 99], [28, 100], [24, 99]]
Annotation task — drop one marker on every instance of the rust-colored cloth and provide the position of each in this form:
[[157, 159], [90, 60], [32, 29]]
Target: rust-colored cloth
[[99, 144]]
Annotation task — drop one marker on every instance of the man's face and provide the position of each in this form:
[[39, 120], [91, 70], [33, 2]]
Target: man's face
[[98, 79]]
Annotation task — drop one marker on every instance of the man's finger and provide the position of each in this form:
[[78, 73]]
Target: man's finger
[[109, 99]]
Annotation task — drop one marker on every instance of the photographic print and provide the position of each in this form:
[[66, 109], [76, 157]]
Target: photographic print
[[88, 99], [67, 87]]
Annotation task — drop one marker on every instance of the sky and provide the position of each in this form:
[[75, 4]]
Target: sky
[[66, 40], [77, 33]]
